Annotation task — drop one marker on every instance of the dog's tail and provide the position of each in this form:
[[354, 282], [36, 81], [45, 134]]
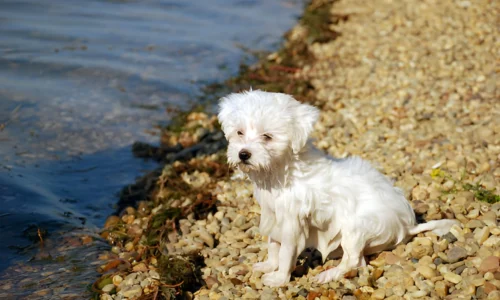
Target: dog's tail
[[439, 227]]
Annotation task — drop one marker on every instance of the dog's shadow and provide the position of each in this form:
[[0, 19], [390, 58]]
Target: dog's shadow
[[308, 259]]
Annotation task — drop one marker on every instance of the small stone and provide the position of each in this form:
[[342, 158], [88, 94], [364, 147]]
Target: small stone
[[211, 281], [448, 185], [480, 293], [132, 291], [379, 294], [239, 221], [420, 207], [450, 237], [426, 271], [441, 288], [219, 215], [303, 293], [489, 287], [154, 274], [456, 253], [489, 264], [389, 258], [364, 280], [468, 196], [206, 237], [238, 270], [459, 270], [108, 288], [106, 297], [377, 273], [173, 236], [419, 193], [437, 261], [312, 295], [418, 294], [420, 251], [117, 279], [140, 267], [482, 235], [251, 294], [239, 245], [478, 281], [458, 233], [452, 277], [468, 289], [129, 279], [399, 290], [488, 217], [492, 241], [378, 262], [146, 282], [474, 224]]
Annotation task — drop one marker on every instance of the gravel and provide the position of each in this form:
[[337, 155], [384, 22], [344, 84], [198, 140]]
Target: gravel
[[411, 86]]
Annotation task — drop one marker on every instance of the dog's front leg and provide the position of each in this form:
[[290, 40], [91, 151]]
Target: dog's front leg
[[292, 244], [271, 264]]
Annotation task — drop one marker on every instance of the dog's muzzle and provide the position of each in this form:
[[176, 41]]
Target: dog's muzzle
[[244, 155]]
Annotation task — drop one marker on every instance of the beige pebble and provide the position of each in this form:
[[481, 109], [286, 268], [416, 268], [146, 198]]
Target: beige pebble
[[239, 245], [418, 294], [117, 279], [452, 277], [426, 271], [482, 235], [131, 291], [108, 288], [492, 241], [206, 237], [441, 288], [379, 294]]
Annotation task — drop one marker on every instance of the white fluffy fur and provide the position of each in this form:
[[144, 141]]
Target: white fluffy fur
[[308, 199]]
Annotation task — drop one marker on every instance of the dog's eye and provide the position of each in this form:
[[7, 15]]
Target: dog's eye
[[239, 133], [267, 137]]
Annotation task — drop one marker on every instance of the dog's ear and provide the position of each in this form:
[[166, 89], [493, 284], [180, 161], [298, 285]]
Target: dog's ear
[[226, 109], [304, 116]]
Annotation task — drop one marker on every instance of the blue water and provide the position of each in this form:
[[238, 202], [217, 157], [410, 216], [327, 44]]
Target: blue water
[[80, 81]]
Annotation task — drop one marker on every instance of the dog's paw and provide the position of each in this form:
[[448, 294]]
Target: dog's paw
[[329, 275], [275, 279], [264, 267]]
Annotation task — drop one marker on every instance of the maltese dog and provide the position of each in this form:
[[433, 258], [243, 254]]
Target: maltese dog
[[308, 199]]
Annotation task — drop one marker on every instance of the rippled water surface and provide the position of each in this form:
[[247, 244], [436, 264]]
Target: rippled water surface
[[82, 80]]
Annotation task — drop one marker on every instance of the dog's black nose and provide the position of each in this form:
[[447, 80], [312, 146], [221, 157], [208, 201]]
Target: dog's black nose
[[244, 155]]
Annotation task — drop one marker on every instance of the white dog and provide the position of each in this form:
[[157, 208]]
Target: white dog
[[308, 199]]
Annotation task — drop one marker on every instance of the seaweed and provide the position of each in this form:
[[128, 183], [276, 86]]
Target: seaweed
[[181, 273], [278, 71], [480, 192]]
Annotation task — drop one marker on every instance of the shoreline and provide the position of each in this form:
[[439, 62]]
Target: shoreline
[[197, 236]]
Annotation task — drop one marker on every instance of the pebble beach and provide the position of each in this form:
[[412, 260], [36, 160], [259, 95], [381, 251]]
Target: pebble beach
[[411, 86]]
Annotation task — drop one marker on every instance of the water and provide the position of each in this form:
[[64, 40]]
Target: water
[[80, 81]]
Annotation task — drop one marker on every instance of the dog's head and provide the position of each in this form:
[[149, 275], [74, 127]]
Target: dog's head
[[264, 128]]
